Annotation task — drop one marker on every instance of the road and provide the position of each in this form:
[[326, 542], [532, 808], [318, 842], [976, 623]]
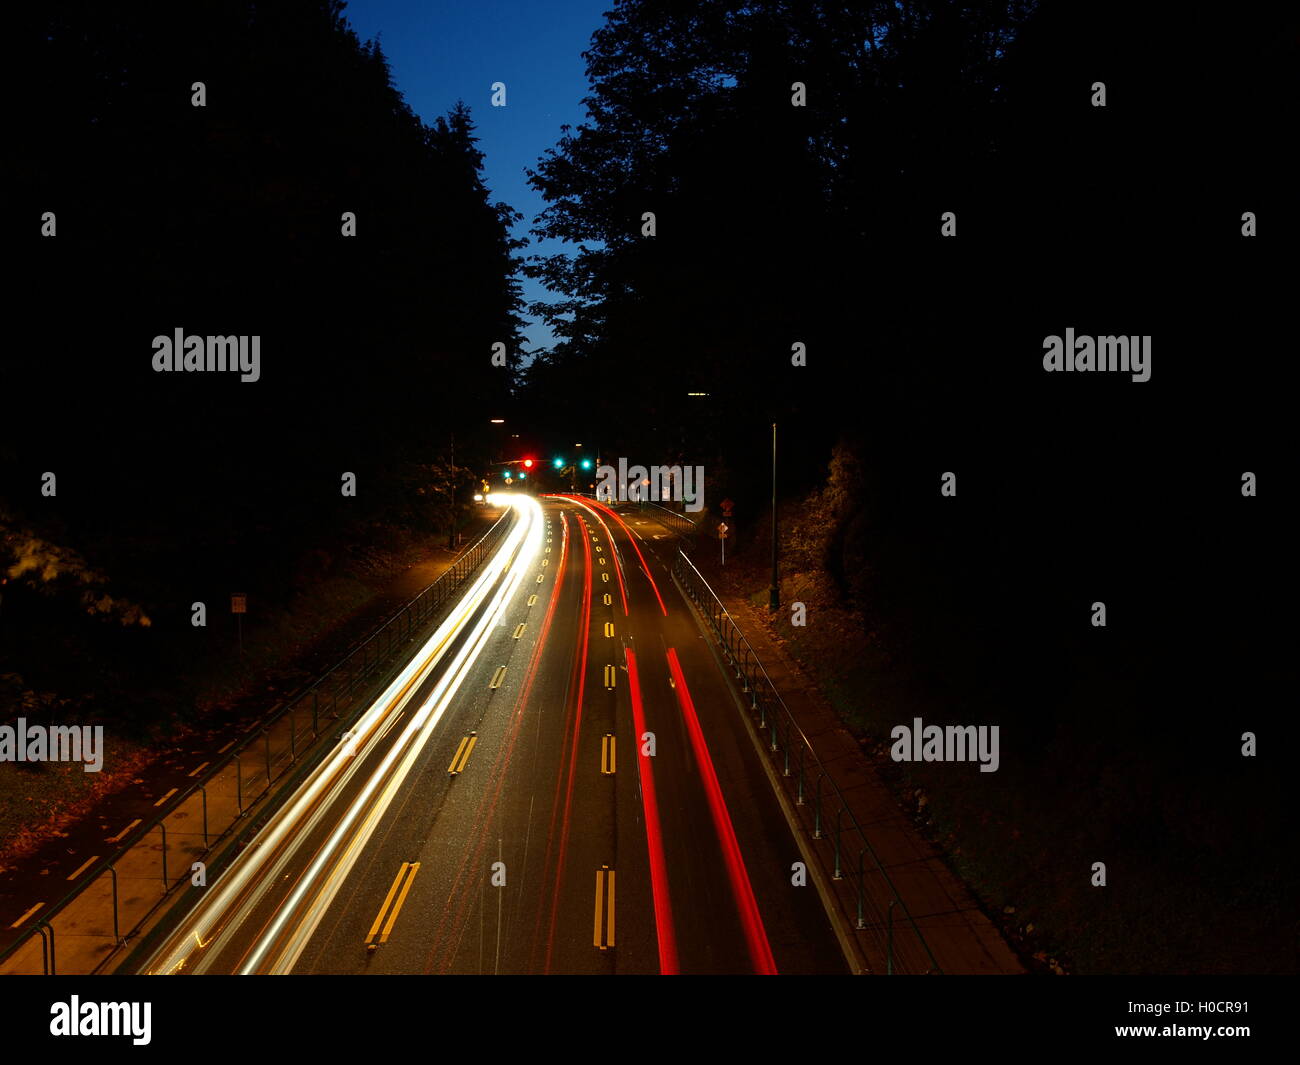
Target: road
[[559, 782]]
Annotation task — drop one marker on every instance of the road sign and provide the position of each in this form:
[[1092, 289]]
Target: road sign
[[722, 530], [727, 505]]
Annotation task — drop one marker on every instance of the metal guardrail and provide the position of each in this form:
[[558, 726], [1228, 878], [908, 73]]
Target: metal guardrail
[[673, 520], [790, 749], [274, 747]]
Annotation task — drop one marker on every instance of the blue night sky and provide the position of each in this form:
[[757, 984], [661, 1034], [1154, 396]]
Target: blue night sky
[[443, 52]]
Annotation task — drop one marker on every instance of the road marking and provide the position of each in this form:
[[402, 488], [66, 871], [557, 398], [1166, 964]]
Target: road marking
[[604, 576], [609, 676], [546, 562], [200, 769], [519, 630], [83, 867], [609, 628], [601, 560], [462, 754], [603, 936], [548, 550], [497, 677], [227, 747], [599, 548], [532, 599], [122, 835], [607, 754], [609, 599], [165, 797], [27, 915], [541, 577], [404, 879]]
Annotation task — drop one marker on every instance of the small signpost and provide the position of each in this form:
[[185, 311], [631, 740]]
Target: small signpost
[[722, 537], [239, 607]]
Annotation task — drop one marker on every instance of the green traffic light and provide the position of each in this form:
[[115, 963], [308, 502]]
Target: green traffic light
[[586, 464], [558, 463]]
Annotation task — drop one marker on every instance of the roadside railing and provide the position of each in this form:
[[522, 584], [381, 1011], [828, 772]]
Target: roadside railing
[[150, 858], [880, 911], [672, 520]]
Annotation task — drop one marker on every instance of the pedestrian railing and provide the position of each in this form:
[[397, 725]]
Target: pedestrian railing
[[152, 857], [890, 933]]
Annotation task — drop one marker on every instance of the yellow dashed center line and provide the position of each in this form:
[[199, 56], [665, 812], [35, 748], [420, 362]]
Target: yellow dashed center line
[[462, 754], [603, 935], [404, 879]]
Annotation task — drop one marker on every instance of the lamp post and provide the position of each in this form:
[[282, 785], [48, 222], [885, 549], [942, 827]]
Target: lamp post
[[451, 490], [774, 593]]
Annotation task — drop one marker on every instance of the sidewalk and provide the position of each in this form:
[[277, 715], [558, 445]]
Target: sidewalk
[[961, 937]]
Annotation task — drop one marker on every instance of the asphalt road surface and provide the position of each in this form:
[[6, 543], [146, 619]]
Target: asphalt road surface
[[560, 782]]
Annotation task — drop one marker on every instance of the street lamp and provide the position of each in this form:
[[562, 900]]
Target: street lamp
[[774, 593], [451, 492]]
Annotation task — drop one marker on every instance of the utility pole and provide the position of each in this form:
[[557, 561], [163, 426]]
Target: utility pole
[[774, 593]]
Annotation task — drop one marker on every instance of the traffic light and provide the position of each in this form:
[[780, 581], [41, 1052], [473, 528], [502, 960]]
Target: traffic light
[[522, 475], [586, 464], [558, 463], [528, 464]]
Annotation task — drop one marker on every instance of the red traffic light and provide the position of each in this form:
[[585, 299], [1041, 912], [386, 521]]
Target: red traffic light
[[528, 464]]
